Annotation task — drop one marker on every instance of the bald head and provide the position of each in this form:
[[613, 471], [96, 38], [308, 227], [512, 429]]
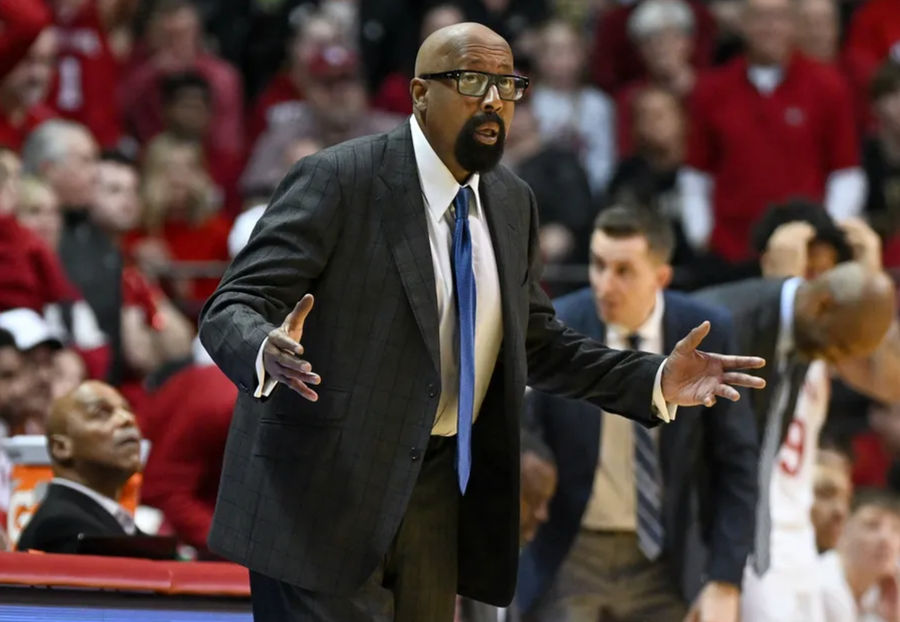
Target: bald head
[[92, 436], [845, 312], [441, 49]]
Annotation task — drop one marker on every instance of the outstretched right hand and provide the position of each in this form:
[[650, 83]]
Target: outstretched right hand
[[282, 352]]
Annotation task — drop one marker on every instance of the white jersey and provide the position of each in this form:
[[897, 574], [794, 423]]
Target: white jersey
[[790, 590]]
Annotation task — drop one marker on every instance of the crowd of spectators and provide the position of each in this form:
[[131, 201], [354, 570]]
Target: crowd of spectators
[[140, 141]]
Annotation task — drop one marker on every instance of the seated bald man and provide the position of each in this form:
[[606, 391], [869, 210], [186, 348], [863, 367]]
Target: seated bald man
[[94, 446], [372, 465]]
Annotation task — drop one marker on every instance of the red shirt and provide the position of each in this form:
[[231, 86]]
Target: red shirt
[[766, 148], [616, 62], [393, 95], [87, 75], [141, 99], [21, 21], [31, 276], [13, 135], [280, 90], [187, 420]]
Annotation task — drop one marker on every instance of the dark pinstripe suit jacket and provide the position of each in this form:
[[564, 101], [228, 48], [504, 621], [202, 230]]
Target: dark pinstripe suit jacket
[[313, 493]]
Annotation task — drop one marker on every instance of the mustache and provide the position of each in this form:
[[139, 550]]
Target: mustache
[[480, 118]]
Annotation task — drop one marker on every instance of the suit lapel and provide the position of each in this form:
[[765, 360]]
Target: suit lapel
[[405, 227], [88, 505], [495, 202]]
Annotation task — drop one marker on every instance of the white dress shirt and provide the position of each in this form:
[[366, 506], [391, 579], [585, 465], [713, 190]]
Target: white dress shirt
[[439, 188], [122, 516], [613, 502]]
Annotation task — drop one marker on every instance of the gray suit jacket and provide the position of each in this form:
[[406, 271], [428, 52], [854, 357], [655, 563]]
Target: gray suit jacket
[[755, 306], [312, 493]]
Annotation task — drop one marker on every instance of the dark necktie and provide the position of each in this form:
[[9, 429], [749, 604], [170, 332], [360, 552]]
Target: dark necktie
[[464, 290], [786, 372], [648, 483]]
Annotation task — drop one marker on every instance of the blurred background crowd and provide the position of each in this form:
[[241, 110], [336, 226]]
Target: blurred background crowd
[[141, 139]]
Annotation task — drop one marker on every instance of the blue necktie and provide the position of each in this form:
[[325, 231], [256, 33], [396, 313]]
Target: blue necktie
[[464, 289], [648, 480]]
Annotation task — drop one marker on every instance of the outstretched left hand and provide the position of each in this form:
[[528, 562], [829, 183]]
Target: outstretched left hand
[[691, 377]]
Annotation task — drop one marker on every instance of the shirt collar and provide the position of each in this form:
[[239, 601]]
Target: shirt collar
[[785, 343], [438, 184], [650, 329], [122, 516]]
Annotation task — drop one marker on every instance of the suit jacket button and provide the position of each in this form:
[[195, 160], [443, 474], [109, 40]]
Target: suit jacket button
[[414, 454], [431, 390]]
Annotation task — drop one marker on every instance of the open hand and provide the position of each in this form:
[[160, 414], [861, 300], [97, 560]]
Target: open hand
[[282, 352], [691, 377]]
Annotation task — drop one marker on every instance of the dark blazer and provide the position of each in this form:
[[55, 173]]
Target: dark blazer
[[708, 459], [62, 516], [312, 493], [755, 307]]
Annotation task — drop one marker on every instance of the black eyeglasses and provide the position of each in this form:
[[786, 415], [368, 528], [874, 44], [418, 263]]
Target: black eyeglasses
[[476, 83]]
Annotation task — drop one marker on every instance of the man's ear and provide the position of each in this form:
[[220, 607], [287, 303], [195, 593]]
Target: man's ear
[[418, 89], [60, 447], [664, 275]]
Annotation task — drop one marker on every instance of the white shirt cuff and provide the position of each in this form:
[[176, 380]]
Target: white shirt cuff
[[266, 385], [661, 407]]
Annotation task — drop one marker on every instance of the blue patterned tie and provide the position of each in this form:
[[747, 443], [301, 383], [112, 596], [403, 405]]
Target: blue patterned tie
[[464, 286], [648, 480]]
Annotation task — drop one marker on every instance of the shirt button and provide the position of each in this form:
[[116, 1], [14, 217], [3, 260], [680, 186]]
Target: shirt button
[[414, 454], [431, 390]]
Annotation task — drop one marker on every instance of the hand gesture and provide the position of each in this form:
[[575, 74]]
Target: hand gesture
[[787, 250], [691, 377], [282, 352]]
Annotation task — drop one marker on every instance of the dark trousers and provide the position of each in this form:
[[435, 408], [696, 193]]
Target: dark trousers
[[416, 581]]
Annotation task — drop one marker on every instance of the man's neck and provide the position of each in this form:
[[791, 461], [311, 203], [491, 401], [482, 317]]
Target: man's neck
[[859, 582]]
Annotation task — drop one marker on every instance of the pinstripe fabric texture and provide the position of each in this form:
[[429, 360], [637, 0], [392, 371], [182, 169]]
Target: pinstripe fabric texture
[[313, 494]]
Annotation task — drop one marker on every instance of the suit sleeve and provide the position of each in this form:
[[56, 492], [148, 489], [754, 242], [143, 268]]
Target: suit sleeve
[[732, 455], [288, 250], [566, 363]]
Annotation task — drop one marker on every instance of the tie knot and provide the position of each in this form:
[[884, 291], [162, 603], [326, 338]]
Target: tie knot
[[634, 341], [461, 203]]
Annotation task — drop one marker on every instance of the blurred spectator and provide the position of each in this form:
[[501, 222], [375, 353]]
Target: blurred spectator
[[37, 345], [871, 40], [154, 332], [616, 60], [799, 238], [32, 277], [187, 420], [648, 177], [866, 559], [663, 32], [38, 209], [176, 41], [389, 32], [881, 159], [833, 491], [277, 104], [335, 110], [187, 114], [819, 30], [24, 90], [768, 126], [64, 154], [393, 92], [87, 68], [577, 117], [94, 447], [180, 217], [21, 21], [560, 187], [69, 371]]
